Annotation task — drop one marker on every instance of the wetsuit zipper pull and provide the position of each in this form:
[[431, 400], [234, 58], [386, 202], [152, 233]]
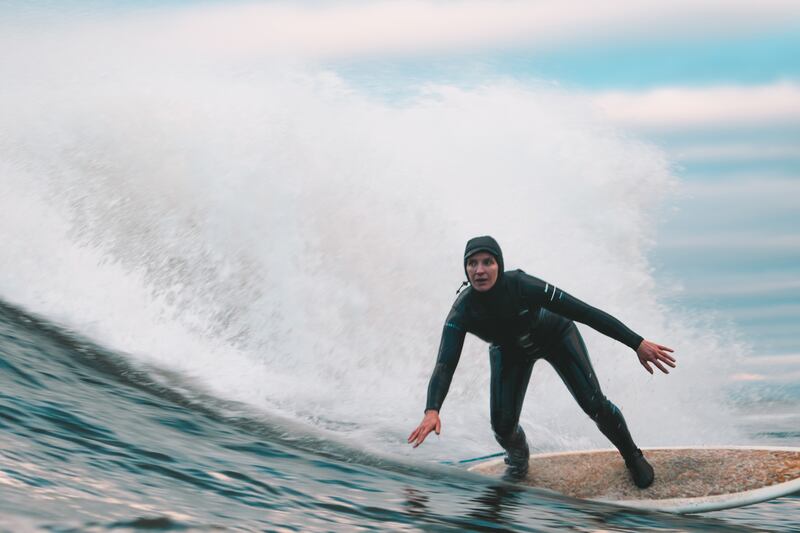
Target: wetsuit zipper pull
[[462, 286]]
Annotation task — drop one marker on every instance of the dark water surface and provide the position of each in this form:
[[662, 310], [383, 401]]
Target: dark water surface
[[92, 443]]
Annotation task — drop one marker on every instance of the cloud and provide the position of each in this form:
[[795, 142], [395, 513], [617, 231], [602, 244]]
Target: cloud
[[744, 242], [739, 190], [790, 359], [678, 108], [737, 152], [359, 28], [758, 289], [770, 311], [748, 377], [781, 367]]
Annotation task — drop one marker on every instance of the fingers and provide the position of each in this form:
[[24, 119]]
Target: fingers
[[415, 434], [663, 352], [658, 359], [668, 360], [646, 361], [657, 355], [418, 436], [661, 355], [660, 366], [421, 437]]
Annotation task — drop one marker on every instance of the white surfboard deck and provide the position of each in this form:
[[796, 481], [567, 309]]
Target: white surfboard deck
[[687, 479]]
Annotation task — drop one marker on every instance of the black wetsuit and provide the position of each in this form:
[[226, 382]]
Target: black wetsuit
[[526, 319]]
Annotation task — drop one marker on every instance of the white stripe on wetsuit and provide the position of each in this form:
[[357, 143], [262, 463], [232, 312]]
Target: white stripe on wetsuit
[[547, 286]]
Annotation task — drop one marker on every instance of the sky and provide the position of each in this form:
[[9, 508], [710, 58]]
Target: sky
[[714, 83]]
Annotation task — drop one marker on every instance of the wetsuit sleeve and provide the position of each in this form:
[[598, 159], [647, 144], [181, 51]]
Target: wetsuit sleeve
[[449, 353], [554, 299]]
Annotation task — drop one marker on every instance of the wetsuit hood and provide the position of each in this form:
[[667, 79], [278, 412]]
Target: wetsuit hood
[[485, 243]]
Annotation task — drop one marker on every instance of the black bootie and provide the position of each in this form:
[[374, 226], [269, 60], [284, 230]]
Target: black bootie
[[641, 471], [517, 456]]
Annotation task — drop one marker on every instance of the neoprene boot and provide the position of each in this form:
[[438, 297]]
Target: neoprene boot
[[517, 455], [641, 471]]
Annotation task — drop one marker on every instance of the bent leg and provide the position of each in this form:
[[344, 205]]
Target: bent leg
[[509, 382], [571, 360]]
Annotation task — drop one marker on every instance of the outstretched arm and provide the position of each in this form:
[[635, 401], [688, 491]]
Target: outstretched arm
[[449, 353], [554, 299]]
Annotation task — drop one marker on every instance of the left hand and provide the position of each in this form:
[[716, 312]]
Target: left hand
[[650, 352]]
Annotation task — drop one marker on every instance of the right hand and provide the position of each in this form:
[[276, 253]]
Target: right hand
[[656, 354], [430, 423]]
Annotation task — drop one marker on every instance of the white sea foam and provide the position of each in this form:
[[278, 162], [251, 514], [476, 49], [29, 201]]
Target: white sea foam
[[289, 242]]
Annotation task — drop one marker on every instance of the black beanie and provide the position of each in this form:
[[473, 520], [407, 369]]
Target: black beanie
[[484, 244]]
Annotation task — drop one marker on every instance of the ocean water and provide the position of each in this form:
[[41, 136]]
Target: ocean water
[[224, 275], [91, 442]]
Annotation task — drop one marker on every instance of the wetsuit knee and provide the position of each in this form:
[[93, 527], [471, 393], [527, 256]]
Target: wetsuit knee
[[611, 422], [600, 408]]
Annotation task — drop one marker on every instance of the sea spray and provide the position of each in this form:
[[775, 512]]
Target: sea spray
[[293, 243]]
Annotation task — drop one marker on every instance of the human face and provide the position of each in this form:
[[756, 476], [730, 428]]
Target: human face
[[482, 270]]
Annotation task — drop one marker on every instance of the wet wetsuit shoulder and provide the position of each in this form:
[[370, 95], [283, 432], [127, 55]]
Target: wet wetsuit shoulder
[[453, 333], [539, 293]]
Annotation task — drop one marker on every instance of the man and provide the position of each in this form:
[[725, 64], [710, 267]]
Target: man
[[526, 319]]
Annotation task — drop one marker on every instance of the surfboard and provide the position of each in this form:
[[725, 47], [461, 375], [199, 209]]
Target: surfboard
[[687, 480]]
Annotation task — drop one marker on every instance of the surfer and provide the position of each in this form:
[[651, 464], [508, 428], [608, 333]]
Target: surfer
[[526, 319]]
